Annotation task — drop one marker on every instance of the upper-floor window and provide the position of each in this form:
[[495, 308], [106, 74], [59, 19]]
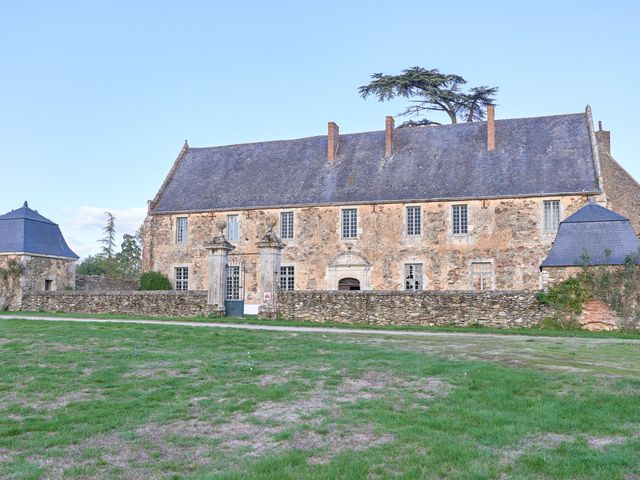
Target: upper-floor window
[[286, 225], [481, 275], [181, 276], [232, 228], [181, 229], [287, 278], [350, 223], [414, 221], [551, 215], [460, 219], [413, 276]]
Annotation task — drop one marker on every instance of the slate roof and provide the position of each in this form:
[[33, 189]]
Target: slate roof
[[588, 234], [533, 156], [26, 231]]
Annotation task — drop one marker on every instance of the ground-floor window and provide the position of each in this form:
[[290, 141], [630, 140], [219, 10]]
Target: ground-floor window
[[287, 278], [233, 282], [481, 276], [181, 276], [413, 276]]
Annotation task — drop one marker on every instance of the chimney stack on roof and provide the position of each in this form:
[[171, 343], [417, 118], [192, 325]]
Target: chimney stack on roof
[[388, 137], [491, 127], [332, 141], [603, 139]]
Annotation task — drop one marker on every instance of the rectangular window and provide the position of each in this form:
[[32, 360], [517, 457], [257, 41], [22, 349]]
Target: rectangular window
[[286, 225], [481, 276], [349, 223], [286, 278], [414, 221], [48, 285], [413, 276], [232, 228], [233, 282], [182, 278], [181, 230], [551, 215], [460, 220]]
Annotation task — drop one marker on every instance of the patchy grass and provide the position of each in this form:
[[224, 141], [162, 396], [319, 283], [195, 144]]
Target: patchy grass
[[252, 319], [156, 401]]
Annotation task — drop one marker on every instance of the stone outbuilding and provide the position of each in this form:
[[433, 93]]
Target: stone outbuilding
[[34, 256], [592, 236]]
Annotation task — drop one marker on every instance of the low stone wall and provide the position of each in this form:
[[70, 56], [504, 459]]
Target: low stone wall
[[491, 309], [98, 283], [150, 303]]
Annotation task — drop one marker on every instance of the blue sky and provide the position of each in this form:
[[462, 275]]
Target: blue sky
[[96, 98]]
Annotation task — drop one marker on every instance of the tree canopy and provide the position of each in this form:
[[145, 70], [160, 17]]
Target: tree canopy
[[431, 90]]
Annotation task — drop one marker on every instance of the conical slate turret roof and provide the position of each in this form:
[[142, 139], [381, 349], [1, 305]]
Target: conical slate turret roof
[[593, 235], [26, 231]]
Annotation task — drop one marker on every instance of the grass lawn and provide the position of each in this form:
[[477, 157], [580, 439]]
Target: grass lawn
[[156, 401]]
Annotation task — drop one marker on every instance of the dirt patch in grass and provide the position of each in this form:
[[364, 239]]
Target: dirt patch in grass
[[39, 403], [599, 443], [160, 370], [535, 443]]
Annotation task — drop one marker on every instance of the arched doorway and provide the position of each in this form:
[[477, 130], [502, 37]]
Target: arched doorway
[[349, 284]]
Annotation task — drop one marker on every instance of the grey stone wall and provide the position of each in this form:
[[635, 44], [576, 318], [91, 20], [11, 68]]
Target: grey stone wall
[[491, 309], [148, 303], [98, 283]]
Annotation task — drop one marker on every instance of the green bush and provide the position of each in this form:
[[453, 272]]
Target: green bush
[[568, 295], [154, 281]]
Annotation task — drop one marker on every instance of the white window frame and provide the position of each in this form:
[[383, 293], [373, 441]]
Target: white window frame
[[463, 207], [182, 230], [487, 279], [555, 209], [352, 228], [287, 228], [413, 225], [181, 278], [236, 232], [287, 278], [413, 277]]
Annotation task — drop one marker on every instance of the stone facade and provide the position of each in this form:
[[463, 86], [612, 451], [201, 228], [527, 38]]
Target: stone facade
[[148, 303], [490, 309], [507, 233], [40, 273], [98, 283], [623, 192]]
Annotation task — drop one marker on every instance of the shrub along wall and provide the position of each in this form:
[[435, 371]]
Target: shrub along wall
[[491, 309], [152, 303]]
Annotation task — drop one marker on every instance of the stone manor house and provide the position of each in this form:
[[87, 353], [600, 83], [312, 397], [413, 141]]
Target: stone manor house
[[471, 206]]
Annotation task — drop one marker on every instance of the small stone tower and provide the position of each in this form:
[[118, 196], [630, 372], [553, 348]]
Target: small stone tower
[[34, 257]]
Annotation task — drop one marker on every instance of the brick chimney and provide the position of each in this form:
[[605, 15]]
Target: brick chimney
[[491, 127], [388, 136], [332, 141], [603, 138]]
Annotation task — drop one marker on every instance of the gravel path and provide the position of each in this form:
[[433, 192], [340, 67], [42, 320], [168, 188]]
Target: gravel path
[[284, 328]]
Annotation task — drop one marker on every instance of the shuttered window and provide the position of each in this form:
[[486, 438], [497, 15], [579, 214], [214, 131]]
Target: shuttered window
[[481, 276], [232, 228], [551, 215], [181, 229]]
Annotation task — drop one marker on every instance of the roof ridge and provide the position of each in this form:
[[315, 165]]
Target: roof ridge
[[415, 127]]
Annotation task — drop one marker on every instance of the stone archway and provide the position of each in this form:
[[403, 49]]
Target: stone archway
[[349, 284], [348, 265]]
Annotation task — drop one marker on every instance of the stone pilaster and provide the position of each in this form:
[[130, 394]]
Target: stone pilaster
[[270, 248], [219, 249]]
